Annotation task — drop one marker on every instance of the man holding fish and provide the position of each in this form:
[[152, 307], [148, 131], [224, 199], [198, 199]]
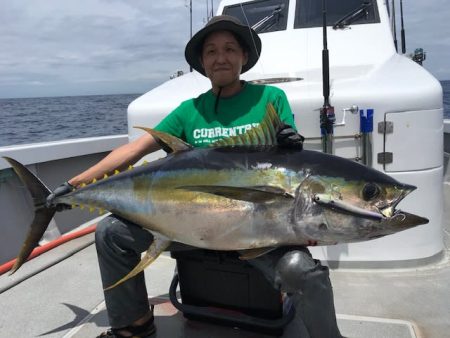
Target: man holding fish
[[221, 51]]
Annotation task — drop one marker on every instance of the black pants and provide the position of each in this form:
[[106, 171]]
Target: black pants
[[291, 269]]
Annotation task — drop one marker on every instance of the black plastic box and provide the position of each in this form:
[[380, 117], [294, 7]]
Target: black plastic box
[[220, 280], [217, 278]]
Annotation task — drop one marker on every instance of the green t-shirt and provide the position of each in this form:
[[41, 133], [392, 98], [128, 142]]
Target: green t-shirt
[[195, 121]]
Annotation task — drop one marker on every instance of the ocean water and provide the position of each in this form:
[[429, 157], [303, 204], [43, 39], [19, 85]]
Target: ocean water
[[32, 120]]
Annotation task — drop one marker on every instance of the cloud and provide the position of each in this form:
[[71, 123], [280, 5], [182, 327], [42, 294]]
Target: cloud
[[64, 43], [71, 47]]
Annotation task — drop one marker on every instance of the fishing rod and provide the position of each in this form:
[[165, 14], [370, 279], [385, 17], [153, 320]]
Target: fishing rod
[[394, 27], [190, 17], [209, 9], [403, 29], [327, 117]]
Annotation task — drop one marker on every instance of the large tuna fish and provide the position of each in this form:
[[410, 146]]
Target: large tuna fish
[[236, 197]]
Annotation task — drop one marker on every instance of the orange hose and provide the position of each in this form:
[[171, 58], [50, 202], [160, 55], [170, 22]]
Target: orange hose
[[50, 245]]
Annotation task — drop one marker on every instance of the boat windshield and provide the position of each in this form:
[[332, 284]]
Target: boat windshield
[[308, 13], [263, 16]]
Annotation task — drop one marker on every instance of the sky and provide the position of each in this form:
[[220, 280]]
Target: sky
[[87, 47]]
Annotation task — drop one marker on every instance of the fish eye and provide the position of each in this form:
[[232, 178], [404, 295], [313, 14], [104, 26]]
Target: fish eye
[[370, 191]]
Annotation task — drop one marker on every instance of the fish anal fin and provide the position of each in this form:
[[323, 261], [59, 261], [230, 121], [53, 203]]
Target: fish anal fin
[[253, 253], [168, 143], [254, 194], [159, 244]]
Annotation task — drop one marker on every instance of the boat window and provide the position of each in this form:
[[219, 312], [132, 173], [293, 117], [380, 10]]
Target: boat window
[[308, 13], [263, 15]]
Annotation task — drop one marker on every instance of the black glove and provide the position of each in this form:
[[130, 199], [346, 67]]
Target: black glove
[[63, 189], [289, 138]]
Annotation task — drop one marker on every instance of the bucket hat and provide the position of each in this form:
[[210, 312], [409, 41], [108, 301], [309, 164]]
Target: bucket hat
[[245, 34]]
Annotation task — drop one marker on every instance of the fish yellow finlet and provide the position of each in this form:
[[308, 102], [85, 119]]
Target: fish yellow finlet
[[145, 162], [130, 167], [82, 185], [91, 209], [81, 206], [105, 176], [116, 172], [94, 180]]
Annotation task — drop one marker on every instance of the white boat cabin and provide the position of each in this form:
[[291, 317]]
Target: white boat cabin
[[367, 74]]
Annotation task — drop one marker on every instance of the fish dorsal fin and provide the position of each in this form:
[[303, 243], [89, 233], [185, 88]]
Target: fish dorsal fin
[[159, 244], [262, 135], [168, 143], [256, 194]]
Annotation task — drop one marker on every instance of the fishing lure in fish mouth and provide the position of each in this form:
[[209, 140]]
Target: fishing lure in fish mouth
[[244, 193], [340, 206]]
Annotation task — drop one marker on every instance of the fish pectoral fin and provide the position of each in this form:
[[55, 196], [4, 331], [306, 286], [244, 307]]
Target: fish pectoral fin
[[253, 253], [254, 194], [167, 142], [159, 244]]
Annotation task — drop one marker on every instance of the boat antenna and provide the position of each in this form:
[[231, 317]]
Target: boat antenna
[[190, 16], [394, 29], [403, 29], [207, 10], [327, 117]]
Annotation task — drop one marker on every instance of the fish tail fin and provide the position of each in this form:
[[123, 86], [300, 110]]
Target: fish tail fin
[[42, 214]]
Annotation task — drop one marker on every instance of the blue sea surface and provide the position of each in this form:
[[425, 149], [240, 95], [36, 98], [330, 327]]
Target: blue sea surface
[[32, 120]]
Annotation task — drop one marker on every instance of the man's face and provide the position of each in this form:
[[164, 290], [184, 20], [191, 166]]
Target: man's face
[[222, 58]]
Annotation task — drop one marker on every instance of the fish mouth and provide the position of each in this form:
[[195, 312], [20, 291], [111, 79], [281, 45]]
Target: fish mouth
[[399, 218], [404, 220], [399, 221], [389, 210]]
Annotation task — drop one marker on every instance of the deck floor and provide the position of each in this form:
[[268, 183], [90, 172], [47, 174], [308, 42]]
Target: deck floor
[[66, 300]]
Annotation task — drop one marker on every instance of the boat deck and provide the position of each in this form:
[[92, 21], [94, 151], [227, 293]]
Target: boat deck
[[58, 294]]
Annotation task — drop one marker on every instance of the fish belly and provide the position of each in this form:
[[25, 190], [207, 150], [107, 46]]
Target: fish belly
[[219, 223]]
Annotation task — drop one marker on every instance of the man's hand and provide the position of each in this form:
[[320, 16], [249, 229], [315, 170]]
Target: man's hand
[[289, 138], [63, 189]]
